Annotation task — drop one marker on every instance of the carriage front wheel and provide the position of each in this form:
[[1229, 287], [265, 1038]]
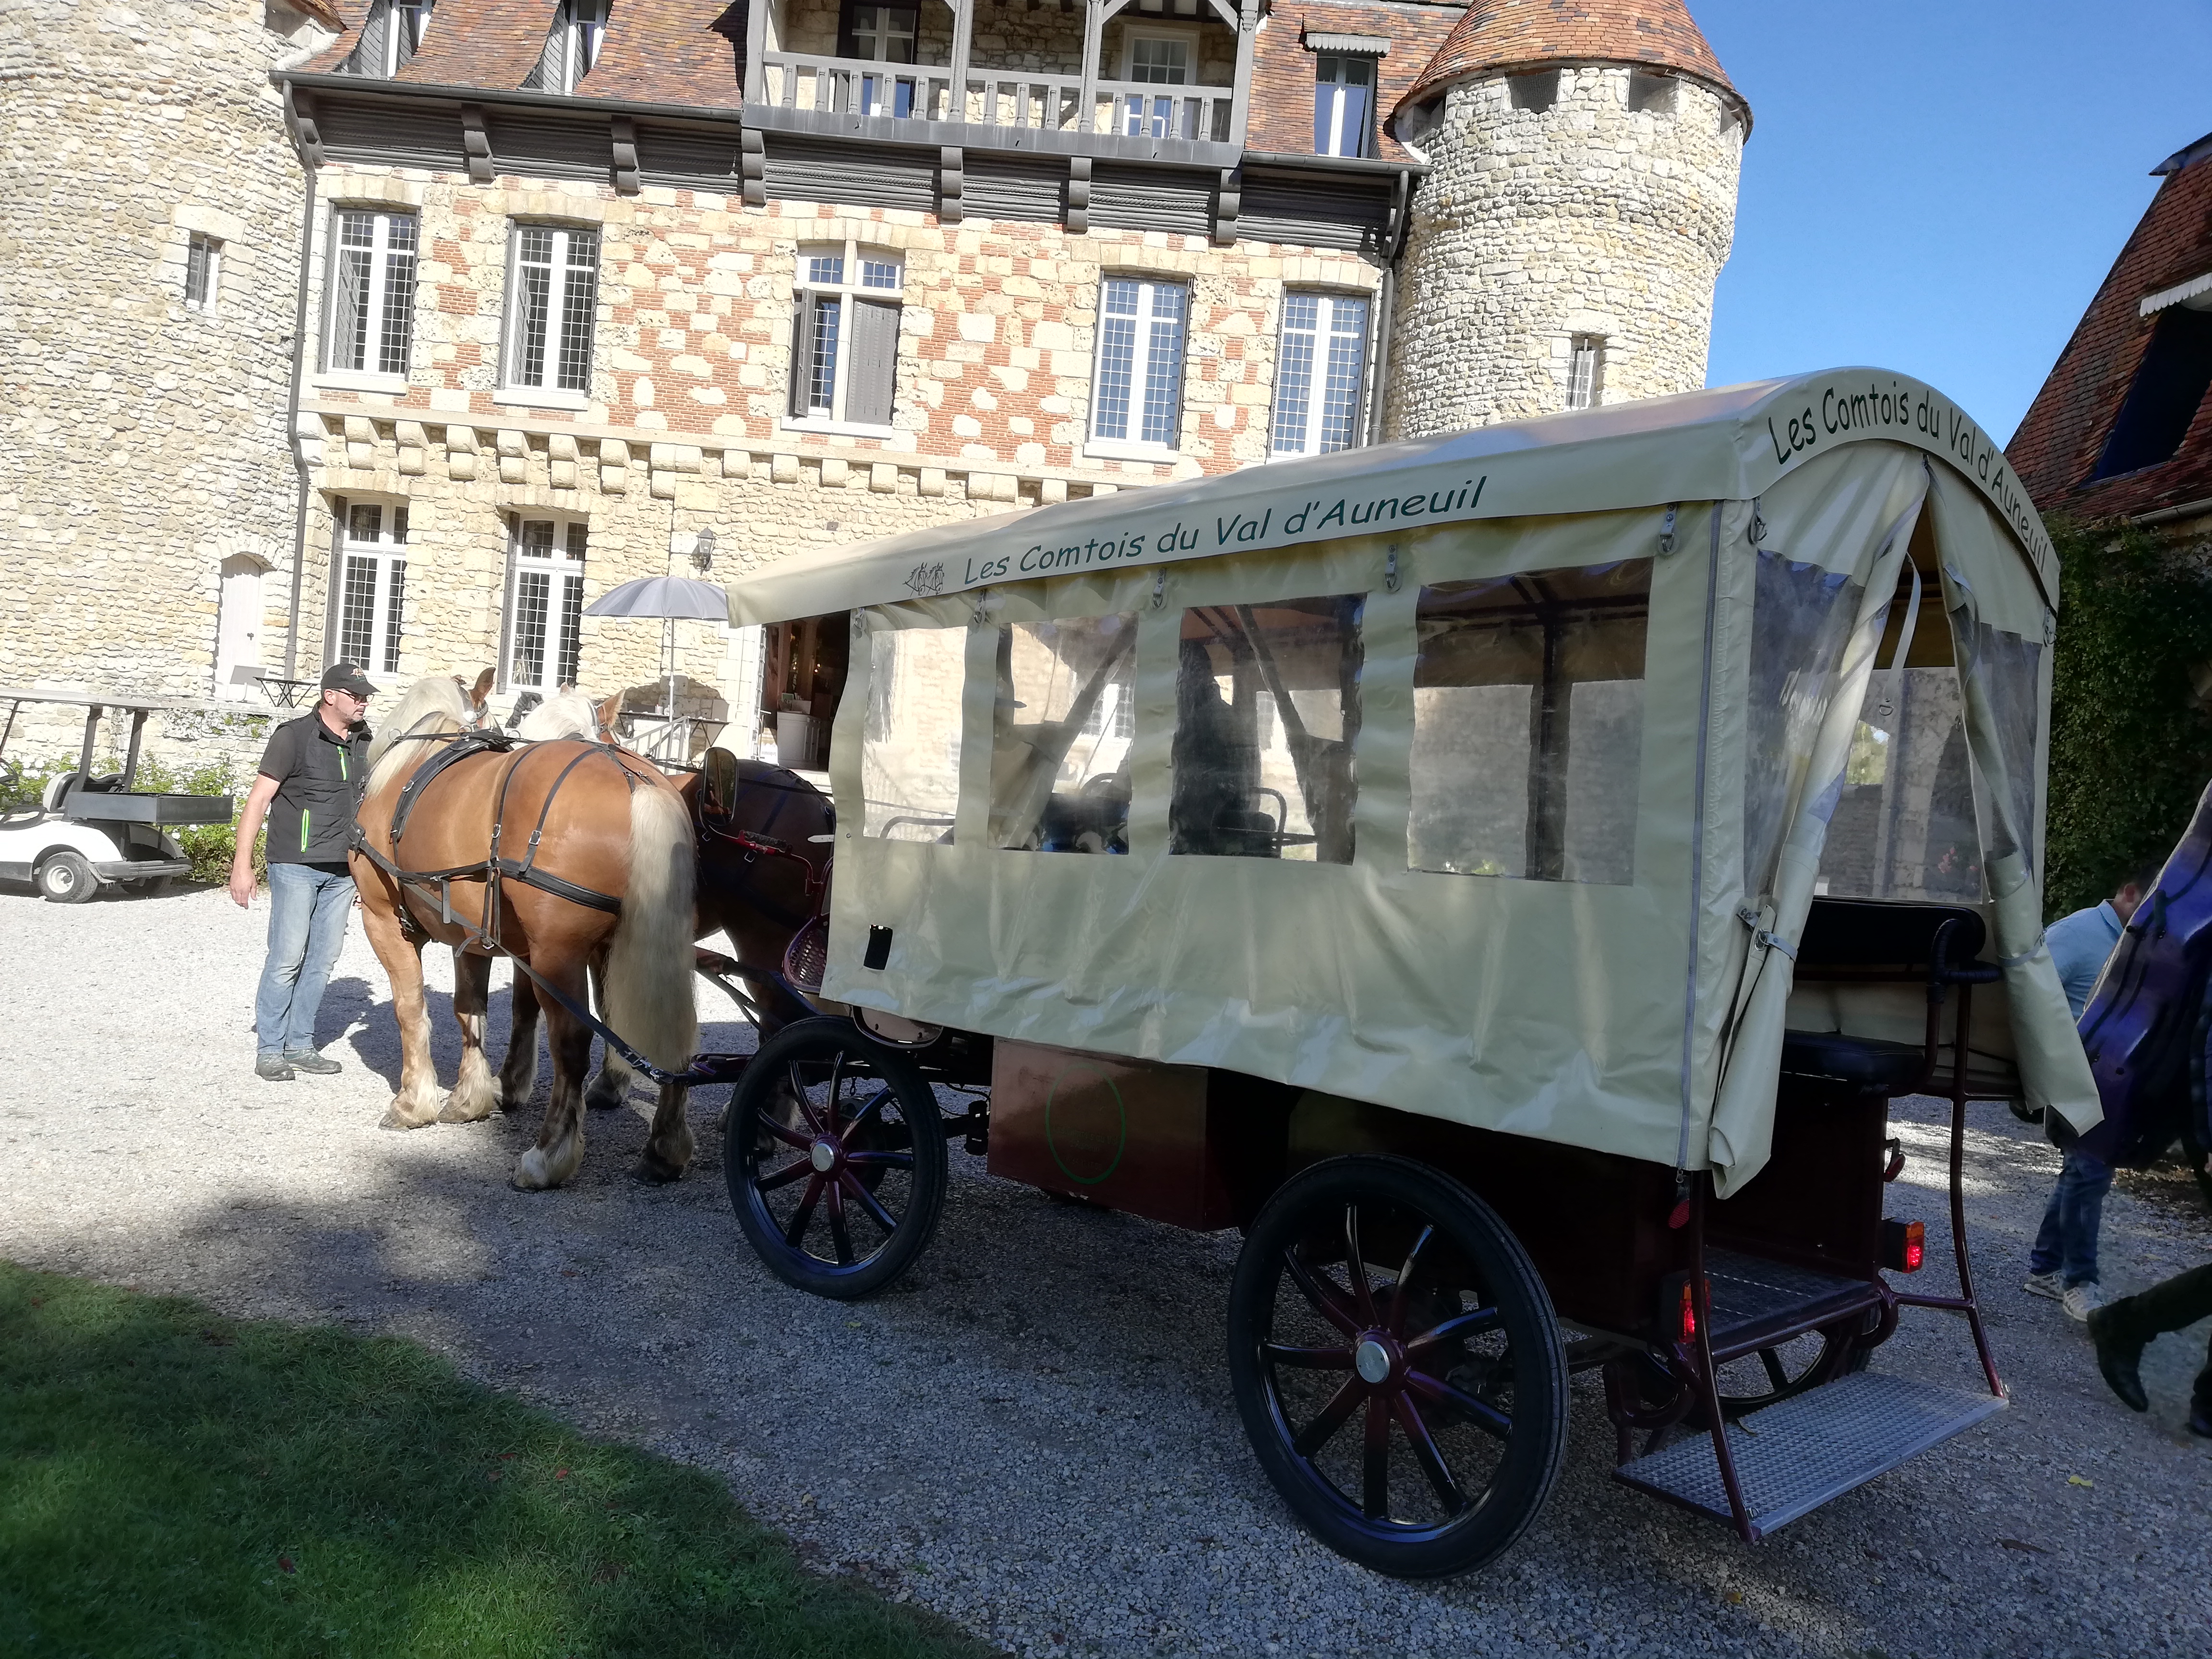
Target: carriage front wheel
[[833, 1150], [1397, 1365]]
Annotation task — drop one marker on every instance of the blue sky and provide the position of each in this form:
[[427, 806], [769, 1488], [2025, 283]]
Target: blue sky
[[1939, 187]]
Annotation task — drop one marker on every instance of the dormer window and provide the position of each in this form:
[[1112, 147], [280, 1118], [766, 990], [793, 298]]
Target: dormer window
[[391, 35], [572, 48], [1345, 73]]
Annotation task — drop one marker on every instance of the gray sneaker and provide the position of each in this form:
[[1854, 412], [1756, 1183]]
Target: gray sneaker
[[273, 1068], [2049, 1285], [2082, 1300], [306, 1060]]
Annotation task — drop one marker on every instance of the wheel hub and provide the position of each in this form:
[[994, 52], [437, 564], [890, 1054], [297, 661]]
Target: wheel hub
[[1374, 1357], [823, 1155]]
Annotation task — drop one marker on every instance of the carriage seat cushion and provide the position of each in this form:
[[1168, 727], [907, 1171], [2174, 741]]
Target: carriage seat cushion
[[1829, 1062]]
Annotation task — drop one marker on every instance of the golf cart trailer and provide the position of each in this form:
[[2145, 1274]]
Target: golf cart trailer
[[1507, 875], [90, 833]]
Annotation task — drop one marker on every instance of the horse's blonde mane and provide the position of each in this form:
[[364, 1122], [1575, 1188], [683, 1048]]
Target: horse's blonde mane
[[437, 703], [569, 713]]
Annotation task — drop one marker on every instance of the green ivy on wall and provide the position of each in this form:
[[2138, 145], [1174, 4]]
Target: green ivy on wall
[[2130, 740]]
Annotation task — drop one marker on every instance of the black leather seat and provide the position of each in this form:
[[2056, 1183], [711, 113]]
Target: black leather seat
[[1831, 1063]]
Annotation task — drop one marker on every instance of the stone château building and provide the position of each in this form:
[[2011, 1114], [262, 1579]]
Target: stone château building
[[400, 329]]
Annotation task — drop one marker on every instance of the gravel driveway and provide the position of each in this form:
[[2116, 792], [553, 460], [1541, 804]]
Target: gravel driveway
[[1033, 1434]]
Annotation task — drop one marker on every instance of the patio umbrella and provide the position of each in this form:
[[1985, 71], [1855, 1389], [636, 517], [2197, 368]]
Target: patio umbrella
[[669, 599]]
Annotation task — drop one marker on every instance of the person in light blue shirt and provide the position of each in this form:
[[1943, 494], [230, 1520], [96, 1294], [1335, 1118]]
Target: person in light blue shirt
[[2062, 1266]]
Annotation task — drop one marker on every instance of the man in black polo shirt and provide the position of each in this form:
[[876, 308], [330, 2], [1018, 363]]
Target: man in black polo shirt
[[310, 785]]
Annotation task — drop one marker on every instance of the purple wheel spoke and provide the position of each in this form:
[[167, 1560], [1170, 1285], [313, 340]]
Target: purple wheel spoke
[[1471, 1323], [1375, 1460], [1312, 1359], [799, 1093], [804, 1213], [861, 1116], [838, 1236], [1327, 1301], [1400, 1301], [1332, 1417], [868, 1202], [1355, 1266], [1426, 1454], [788, 1136], [783, 1177], [1438, 1392], [836, 1081], [882, 1160]]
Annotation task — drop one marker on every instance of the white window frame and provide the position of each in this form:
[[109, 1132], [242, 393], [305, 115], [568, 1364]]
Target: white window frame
[[1145, 114], [387, 265], [1362, 139], [1098, 443], [1187, 37], [382, 553], [546, 391], [206, 252], [563, 563], [1585, 371], [1328, 314], [851, 285]]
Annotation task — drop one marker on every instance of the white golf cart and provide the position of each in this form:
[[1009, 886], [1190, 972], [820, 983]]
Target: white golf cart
[[91, 832]]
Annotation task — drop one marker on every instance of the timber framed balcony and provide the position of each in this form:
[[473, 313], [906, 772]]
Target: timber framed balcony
[[1128, 80]]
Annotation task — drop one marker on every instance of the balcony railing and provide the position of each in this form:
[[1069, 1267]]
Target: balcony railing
[[1009, 100]]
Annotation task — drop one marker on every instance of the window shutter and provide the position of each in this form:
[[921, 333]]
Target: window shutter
[[507, 596], [873, 375], [802, 353], [370, 56]]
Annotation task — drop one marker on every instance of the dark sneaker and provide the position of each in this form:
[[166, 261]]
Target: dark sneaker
[[273, 1068], [308, 1061], [2117, 1359]]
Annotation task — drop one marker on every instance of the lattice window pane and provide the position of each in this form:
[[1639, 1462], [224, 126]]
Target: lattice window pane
[[579, 308], [532, 599], [349, 348], [571, 621], [199, 272], [1117, 356], [394, 601], [397, 332], [1347, 362], [1164, 366], [822, 372], [358, 610], [879, 273], [1294, 373]]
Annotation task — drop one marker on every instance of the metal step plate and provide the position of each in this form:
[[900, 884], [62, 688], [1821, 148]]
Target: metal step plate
[[1795, 1457], [1748, 1292]]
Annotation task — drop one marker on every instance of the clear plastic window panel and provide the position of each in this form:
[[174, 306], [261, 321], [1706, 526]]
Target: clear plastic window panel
[[1528, 725], [579, 307], [1904, 823], [1060, 753], [910, 755], [1801, 621], [1250, 786], [2008, 672]]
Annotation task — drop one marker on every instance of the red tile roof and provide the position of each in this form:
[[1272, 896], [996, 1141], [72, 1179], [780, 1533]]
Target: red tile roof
[[671, 51], [2066, 427], [1282, 105], [1497, 37]]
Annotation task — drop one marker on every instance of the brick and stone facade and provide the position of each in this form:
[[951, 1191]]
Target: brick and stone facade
[[1527, 228]]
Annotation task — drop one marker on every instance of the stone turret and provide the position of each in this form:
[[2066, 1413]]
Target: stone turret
[[1581, 200]]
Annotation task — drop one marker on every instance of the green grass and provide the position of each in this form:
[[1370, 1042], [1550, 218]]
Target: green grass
[[173, 1482]]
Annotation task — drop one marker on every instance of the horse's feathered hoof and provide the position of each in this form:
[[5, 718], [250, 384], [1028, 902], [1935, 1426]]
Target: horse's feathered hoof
[[394, 1118], [658, 1170], [457, 1110]]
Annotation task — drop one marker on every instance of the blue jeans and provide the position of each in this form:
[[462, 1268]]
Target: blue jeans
[[308, 907], [2067, 1241]]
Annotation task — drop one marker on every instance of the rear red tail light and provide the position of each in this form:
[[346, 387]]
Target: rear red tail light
[[1904, 1245], [1689, 1314]]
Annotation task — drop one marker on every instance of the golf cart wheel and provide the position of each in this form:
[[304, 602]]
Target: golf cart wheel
[[1397, 1365], [833, 1150], [66, 879]]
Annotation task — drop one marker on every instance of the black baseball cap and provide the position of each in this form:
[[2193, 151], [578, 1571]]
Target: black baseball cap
[[344, 677]]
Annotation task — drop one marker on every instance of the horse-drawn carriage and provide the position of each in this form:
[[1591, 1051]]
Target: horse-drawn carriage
[[1505, 875]]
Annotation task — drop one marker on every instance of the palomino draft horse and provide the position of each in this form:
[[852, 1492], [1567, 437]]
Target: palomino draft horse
[[763, 862], [570, 857]]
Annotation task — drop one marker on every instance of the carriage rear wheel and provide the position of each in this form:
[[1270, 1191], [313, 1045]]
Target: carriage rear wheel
[[1397, 1365], [833, 1150]]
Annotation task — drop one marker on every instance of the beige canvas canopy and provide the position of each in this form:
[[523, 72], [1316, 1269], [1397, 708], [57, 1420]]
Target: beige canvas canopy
[[1490, 777]]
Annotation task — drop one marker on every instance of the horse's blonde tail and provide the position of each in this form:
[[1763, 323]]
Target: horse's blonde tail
[[648, 984]]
